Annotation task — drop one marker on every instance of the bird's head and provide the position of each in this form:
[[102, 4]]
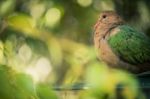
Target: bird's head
[[108, 19]]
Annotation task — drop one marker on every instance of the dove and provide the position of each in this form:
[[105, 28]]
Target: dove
[[120, 45]]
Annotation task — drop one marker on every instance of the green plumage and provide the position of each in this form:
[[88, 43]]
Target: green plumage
[[130, 45]]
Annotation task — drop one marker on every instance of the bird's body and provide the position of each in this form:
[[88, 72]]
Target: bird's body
[[121, 46]]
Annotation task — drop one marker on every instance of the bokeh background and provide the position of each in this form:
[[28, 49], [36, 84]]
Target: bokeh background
[[46, 49]]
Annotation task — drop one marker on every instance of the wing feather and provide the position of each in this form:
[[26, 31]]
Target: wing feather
[[130, 45]]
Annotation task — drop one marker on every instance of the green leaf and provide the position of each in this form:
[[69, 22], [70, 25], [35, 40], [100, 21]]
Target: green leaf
[[23, 23], [25, 82], [6, 7], [15, 86], [5, 77], [45, 92]]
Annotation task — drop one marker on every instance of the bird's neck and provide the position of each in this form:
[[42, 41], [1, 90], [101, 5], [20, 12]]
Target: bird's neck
[[112, 31], [103, 32]]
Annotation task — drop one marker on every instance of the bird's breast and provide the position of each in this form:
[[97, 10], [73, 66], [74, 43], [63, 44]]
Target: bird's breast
[[106, 54]]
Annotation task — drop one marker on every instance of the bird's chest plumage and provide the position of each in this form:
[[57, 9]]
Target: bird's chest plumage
[[105, 52]]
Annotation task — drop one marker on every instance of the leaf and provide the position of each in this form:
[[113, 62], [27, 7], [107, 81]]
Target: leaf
[[24, 24], [45, 92], [104, 81], [6, 7], [5, 77], [15, 85], [26, 83]]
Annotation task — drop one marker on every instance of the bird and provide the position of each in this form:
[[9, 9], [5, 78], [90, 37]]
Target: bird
[[119, 45]]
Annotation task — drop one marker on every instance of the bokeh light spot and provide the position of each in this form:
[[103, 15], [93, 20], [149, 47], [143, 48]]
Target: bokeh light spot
[[53, 16], [40, 70], [37, 10], [25, 53], [84, 3]]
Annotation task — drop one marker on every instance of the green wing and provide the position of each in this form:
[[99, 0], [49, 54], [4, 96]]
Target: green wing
[[131, 46]]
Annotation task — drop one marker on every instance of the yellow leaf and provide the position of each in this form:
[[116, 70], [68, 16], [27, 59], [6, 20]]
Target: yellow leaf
[[24, 24]]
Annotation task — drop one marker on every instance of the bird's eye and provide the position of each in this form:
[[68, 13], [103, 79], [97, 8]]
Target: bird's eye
[[104, 16]]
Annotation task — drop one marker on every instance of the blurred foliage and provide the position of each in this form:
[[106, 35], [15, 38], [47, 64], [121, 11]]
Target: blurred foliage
[[47, 43], [15, 85], [119, 84], [44, 92]]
